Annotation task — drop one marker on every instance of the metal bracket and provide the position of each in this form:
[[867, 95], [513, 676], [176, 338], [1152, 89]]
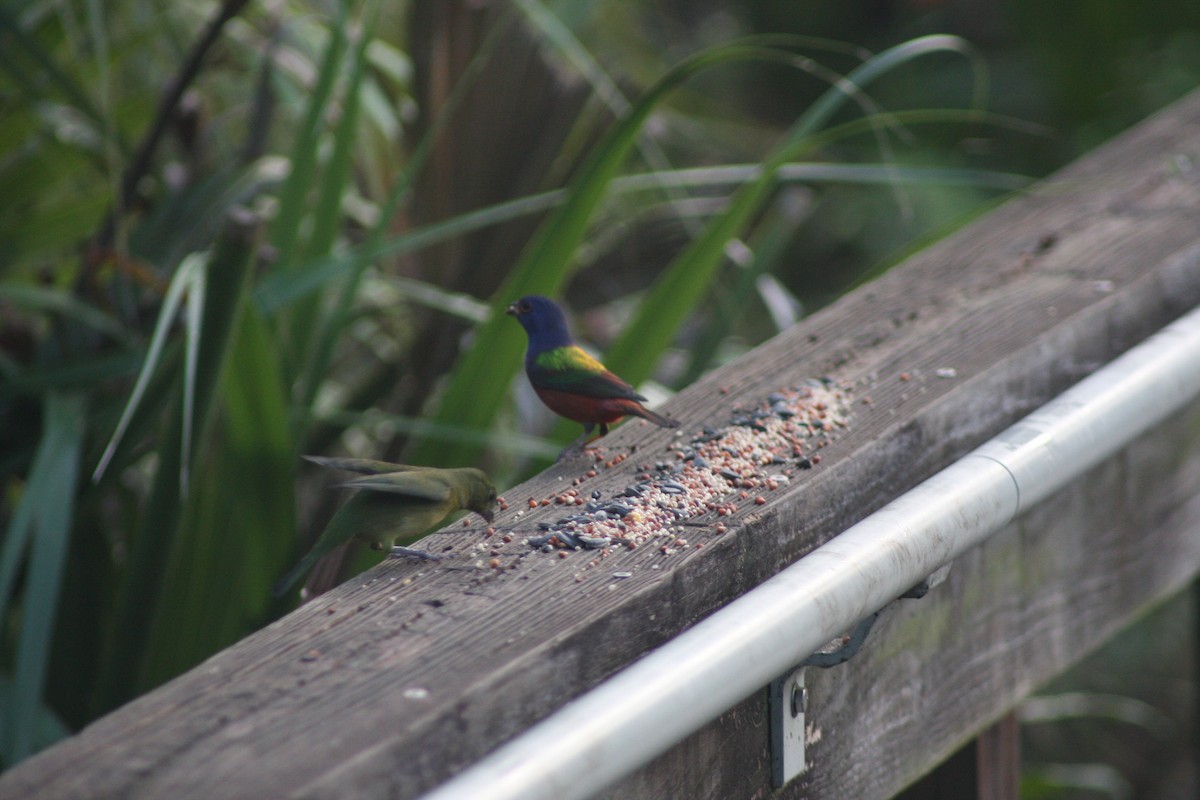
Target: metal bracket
[[788, 704], [839, 651], [788, 697], [938, 576]]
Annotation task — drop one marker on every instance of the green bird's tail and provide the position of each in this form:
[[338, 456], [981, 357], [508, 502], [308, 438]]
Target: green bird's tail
[[295, 574]]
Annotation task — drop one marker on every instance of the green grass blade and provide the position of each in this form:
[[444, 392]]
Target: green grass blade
[[47, 727], [865, 174], [327, 217], [81, 373], [50, 495], [564, 41], [883, 63], [197, 293], [327, 220], [302, 172], [166, 315], [768, 248], [454, 304], [12, 551], [36, 298]]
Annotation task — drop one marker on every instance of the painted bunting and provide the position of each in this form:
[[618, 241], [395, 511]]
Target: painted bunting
[[395, 501], [567, 379]]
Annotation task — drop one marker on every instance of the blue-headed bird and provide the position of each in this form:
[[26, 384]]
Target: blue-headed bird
[[570, 382]]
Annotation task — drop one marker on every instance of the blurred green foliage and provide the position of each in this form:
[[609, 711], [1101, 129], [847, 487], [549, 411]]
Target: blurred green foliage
[[237, 233], [1121, 724]]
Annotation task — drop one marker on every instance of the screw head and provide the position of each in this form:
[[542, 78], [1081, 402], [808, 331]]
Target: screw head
[[799, 699]]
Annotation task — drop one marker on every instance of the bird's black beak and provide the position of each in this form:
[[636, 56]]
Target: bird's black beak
[[512, 310], [488, 515]]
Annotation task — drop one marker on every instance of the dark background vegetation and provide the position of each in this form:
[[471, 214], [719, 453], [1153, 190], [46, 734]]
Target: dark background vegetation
[[336, 183]]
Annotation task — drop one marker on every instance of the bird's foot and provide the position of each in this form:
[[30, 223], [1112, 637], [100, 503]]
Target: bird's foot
[[581, 445], [420, 555], [570, 451], [584, 445]]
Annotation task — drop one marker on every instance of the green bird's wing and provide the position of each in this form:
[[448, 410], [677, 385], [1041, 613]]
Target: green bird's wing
[[366, 466], [588, 384], [420, 484], [571, 369]]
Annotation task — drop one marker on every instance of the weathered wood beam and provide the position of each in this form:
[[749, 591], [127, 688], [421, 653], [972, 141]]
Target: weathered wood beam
[[392, 682]]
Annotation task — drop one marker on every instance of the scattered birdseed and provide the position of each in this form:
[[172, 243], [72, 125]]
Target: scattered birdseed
[[705, 478]]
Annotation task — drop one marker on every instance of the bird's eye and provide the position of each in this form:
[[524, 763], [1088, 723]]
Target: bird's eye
[[525, 306]]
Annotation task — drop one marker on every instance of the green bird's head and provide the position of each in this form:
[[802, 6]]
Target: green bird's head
[[481, 497]]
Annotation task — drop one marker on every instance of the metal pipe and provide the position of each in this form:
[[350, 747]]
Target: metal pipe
[[651, 705]]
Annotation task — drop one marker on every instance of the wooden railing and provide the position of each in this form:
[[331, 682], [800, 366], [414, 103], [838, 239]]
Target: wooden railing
[[400, 678]]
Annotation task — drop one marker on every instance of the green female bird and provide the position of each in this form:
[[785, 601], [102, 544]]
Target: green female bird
[[395, 501]]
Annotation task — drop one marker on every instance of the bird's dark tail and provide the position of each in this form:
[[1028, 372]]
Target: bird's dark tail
[[657, 419], [283, 584]]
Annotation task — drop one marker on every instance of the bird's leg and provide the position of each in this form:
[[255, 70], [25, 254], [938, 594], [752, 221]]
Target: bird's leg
[[579, 445], [423, 555]]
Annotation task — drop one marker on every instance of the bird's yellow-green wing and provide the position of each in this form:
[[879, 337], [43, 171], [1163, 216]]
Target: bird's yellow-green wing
[[366, 466], [571, 369], [419, 484]]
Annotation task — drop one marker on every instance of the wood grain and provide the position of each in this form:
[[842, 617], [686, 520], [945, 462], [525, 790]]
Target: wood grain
[[395, 680]]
